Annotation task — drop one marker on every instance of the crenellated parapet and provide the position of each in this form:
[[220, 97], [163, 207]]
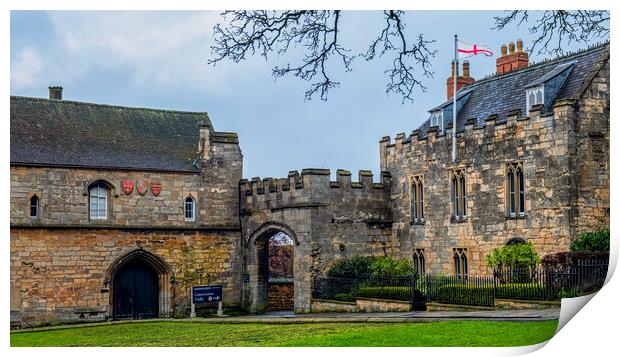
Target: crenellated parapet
[[315, 180], [432, 143]]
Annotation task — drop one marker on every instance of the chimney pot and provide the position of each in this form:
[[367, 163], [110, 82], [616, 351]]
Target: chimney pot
[[465, 68], [55, 92], [504, 50], [519, 45], [511, 47]]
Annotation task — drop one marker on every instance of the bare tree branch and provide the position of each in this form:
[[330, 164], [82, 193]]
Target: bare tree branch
[[267, 32], [408, 55], [553, 27]]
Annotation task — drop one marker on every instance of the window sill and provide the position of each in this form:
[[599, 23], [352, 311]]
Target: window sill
[[458, 219], [511, 218], [418, 223]]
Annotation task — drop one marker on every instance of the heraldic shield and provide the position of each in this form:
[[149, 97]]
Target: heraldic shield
[[142, 186], [127, 186], [156, 188]]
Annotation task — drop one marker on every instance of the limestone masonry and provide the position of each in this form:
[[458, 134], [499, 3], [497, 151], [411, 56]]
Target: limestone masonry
[[116, 212]]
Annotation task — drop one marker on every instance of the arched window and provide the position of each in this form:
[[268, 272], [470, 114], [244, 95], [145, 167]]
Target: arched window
[[419, 263], [515, 190], [532, 100], [459, 195], [460, 262], [190, 209], [98, 201], [34, 207], [539, 97], [417, 200]]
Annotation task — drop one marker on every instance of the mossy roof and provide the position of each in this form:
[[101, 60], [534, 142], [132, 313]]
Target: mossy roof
[[67, 133]]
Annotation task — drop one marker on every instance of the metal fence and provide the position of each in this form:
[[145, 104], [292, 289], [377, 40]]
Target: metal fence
[[522, 284]]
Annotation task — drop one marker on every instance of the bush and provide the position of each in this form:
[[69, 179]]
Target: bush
[[465, 295], [520, 291], [591, 241], [351, 268], [564, 260], [382, 266], [520, 255], [360, 266], [386, 292], [344, 297]]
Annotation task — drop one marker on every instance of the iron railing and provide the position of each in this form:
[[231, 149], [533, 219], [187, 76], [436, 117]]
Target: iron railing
[[522, 284]]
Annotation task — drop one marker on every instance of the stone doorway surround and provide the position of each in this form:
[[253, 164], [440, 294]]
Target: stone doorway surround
[[164, 274]]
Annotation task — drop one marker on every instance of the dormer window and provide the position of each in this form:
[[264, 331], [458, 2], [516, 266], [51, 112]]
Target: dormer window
[[437, 120], [534, 96]]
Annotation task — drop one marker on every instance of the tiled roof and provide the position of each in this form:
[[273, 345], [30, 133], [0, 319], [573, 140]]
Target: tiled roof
[[505, 93], [67, 133]]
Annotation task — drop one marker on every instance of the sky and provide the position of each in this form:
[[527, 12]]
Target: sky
[[159, 60]]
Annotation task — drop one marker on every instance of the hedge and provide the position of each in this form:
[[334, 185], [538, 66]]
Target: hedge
[[465, 295], [564, 260], [520, 291], [386, 292]]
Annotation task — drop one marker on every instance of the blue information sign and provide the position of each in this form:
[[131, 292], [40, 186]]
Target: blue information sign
[[207, 293]]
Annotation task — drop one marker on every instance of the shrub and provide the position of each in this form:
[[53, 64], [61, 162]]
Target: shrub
[[520, 255], [564, 260], [351, 268], [591, 241], [520, 291], [344, 297], [465, 295], [390, 293], [381, 266]]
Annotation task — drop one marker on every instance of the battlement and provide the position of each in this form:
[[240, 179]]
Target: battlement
[[314, 179], [479, 130]]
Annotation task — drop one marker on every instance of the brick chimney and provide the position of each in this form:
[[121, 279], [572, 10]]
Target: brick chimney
[[55, 93], [461, 81], [514, 60]]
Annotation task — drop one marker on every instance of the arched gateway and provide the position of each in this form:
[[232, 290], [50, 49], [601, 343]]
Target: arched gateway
[[258, 262], [139, 283]]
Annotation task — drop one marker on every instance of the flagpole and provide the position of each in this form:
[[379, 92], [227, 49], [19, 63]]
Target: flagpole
[[456, 68]]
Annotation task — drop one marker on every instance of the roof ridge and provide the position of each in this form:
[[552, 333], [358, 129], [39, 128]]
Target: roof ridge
[[544, 62], [107, 105]]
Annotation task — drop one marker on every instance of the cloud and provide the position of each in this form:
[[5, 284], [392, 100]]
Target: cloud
[[155, 48], [26, 68]]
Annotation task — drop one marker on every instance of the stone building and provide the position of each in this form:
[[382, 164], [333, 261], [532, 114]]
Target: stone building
[[116, 212]]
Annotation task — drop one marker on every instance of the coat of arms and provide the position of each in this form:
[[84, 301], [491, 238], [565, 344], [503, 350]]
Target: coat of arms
[[156, 188], [142, 186], [127, 186]]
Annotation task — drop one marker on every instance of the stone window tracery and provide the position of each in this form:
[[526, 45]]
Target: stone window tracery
[[419, 261], [459, 195], [515, 190], [460, 262], [417, 200]]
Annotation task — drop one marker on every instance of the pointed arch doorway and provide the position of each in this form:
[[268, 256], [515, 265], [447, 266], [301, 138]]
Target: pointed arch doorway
[[141, 286]]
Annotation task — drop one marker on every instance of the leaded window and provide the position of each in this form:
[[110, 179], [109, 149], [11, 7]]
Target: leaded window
[[190, 209], [460, 262], [98, 201], [515, 190], [34, 207], [419, 261], [417, 200], [459, 195]]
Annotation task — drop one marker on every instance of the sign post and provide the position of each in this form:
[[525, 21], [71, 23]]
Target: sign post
[[207, 294]]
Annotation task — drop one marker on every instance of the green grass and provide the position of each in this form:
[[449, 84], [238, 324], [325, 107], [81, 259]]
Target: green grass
[[452, 333]]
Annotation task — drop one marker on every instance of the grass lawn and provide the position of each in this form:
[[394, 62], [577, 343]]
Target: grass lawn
[[452, 333]]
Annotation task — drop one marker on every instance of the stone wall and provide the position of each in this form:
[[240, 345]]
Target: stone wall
[[59, 274], [328, 221], [281, 296]]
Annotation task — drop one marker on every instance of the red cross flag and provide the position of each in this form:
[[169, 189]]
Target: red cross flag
[[466, 50]]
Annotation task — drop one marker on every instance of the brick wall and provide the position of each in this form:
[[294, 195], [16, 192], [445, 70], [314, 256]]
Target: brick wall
[[281, 297]]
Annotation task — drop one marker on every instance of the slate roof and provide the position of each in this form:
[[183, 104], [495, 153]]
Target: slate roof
[[48, 132], [504, 93]]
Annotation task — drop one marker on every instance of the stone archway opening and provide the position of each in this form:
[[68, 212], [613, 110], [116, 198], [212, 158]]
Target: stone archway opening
[[281, 290], [272, 269]]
